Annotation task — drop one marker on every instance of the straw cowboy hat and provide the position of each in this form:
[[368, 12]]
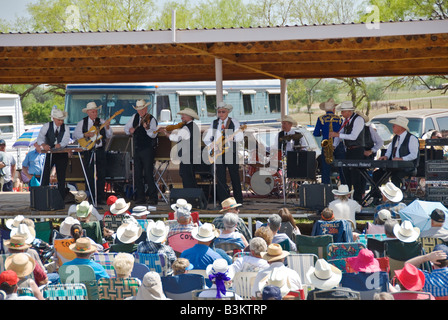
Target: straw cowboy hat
[[181, 204], [401, 121], [67, 224], [82, 245], [17, 243], [189, 112], [288, 118], [14, 223], [406, 232], [364, 262], [84, 209], [345, 106], [141, 104], [323, 275], [129, 232], [276, 278], [327, 105], [229, 203], [139, 211], [342, 190], [391, 192], [29, 233], [223, 105], [91, 106], [410, 277], [157, 231], [58, 114], [21, 263], [80, 196], [205, 233], [120, 206], [274, 253]]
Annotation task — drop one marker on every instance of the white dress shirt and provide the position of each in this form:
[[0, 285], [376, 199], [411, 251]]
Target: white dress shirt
[[78, 134], [217, 135], [378, 142], [180, 134], [358, 125], [43, 131], [413, 148], [151, 132]]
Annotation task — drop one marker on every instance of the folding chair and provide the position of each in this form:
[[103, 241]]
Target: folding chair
[[139, 270], [285, 245], [228, 247], [62, 250], [301, 263], [288, 228], [181, 241], [411, 295], [428, 243], [70, 291], [180, 287], [44, 230], [106, 260], [117, 288], [112, 222], [196, 293], [201, 272], [80, 274], [399, 252], [154, 261], [242, 284], [27, 292], [342, 250], [378, 247], [363, 237], [93, 230], [336, 294], [313, 244], [366, 283]]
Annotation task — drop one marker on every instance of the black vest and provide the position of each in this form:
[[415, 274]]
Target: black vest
[[404, 148], [359, 142], [102, 131], [141, 138], [50, 137], [193, 145], [368, 141], [231, 126]]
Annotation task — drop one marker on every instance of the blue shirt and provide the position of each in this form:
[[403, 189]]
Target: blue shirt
[[34, 161], [322, 127], [200, 256], [436, 282], [100, 272]]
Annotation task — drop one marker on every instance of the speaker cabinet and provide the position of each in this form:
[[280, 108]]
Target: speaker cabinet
[[301, 164], [194, 196], [46, 199], [315, 196], [118, 165]]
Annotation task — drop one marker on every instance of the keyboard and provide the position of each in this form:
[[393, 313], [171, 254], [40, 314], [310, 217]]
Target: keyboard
[[388, 164]]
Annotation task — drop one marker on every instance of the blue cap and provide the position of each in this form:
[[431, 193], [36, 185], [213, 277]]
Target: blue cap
[[272, 293], [2, 141]]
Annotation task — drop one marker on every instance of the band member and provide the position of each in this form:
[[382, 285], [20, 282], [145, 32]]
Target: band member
[[96, 157], [404, 147], [297, 141], [143, 127], [224, 126], [54, 135], [324, 124], [188, 138], [352, 135]]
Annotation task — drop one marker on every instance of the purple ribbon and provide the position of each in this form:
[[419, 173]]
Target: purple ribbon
[[220, 278]]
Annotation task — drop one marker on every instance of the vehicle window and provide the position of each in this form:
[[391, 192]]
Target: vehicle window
[[274, 103], [210, 101], [429, 125], [247, 103], [163, 102], [415, 125], [188, 102], [5, 119], [442, 123]]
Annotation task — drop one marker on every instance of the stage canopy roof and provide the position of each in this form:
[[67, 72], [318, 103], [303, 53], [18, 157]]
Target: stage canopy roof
[[288, 52]]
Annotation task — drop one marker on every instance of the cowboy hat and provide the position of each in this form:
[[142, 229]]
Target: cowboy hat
[[410, 277], [141, 104], [391, 192], [189, 112], [83, 209], [21, 263], [288, 118], [406, 232], [157, 231], [129, 232], [139, 211], [181, 204], [58, 114], [342, 190], [364, 262], [219, 266], [91, 106], [327, 105], [274, 253], [276, 278], [345, 106], [23, 230], [67, 224], [229, 203], [17, 243], [14, 223], [223, 105], [80, 196], [205, 232], [82, 245], [323, 275], [400, 121], [120, 206]]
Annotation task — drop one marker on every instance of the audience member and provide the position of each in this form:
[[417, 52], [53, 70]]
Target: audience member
[[276, 278], [109, 202], [229, 232], [406, 232], [409, 278], [127, 235], [253, 262], [123, 264], [323, 276], [389, 226], [92, 228], [201, 255], [343, 206], [230, 205], [437, 229], [181, 266], [81, 196], [83, 249], [286, 216], [264, 233], [274, 223], [221, 275], [391, 201], [65, 228], [120, 206], [275, 256], [183, 217], [271, 292], [140, 212], [378, 224], [9, 284], [151, 288]]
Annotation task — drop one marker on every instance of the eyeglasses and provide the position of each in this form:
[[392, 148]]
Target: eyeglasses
[[222, 111]]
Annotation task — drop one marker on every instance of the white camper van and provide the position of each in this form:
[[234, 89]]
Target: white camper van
[[12, 124]]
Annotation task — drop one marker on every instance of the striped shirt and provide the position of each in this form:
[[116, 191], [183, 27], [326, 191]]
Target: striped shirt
[[436, 282], [152, 247]]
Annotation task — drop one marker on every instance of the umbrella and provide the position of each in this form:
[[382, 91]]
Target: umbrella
[[27, 138], [419, 212]]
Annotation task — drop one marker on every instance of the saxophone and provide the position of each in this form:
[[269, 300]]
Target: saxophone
[[327, 146]]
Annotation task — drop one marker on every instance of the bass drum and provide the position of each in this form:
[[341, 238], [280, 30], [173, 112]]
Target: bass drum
[[264, 181]]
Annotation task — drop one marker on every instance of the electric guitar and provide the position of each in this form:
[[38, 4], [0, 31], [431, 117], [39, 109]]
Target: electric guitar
[[220, 147], [89, 143]]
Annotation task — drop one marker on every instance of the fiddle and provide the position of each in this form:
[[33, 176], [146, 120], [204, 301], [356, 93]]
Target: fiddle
[[171, 127], [145, 119]]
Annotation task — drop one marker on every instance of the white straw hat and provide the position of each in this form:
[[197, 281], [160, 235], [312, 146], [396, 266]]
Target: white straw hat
[[157, 231], [204, 233], [223, 105], [288, 118], [346, 105], [141, 104], [189, 112], [406, 232], [400, 121], [129, 232], [120, 206], [67, 224], [323, 275], [91, 106], [327, 105], [14, 223], [342, 190], [391, 192], [58, 114]]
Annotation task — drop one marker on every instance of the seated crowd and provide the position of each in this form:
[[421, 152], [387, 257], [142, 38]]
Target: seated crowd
[[267, 256]]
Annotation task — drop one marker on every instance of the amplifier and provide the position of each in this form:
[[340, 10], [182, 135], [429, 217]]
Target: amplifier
[[436, 170], [301, 164], [315, 196], [46, 198], [437, 194], [118, 165]]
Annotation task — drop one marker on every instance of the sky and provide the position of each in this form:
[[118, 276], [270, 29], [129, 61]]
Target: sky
[[13, 8]]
